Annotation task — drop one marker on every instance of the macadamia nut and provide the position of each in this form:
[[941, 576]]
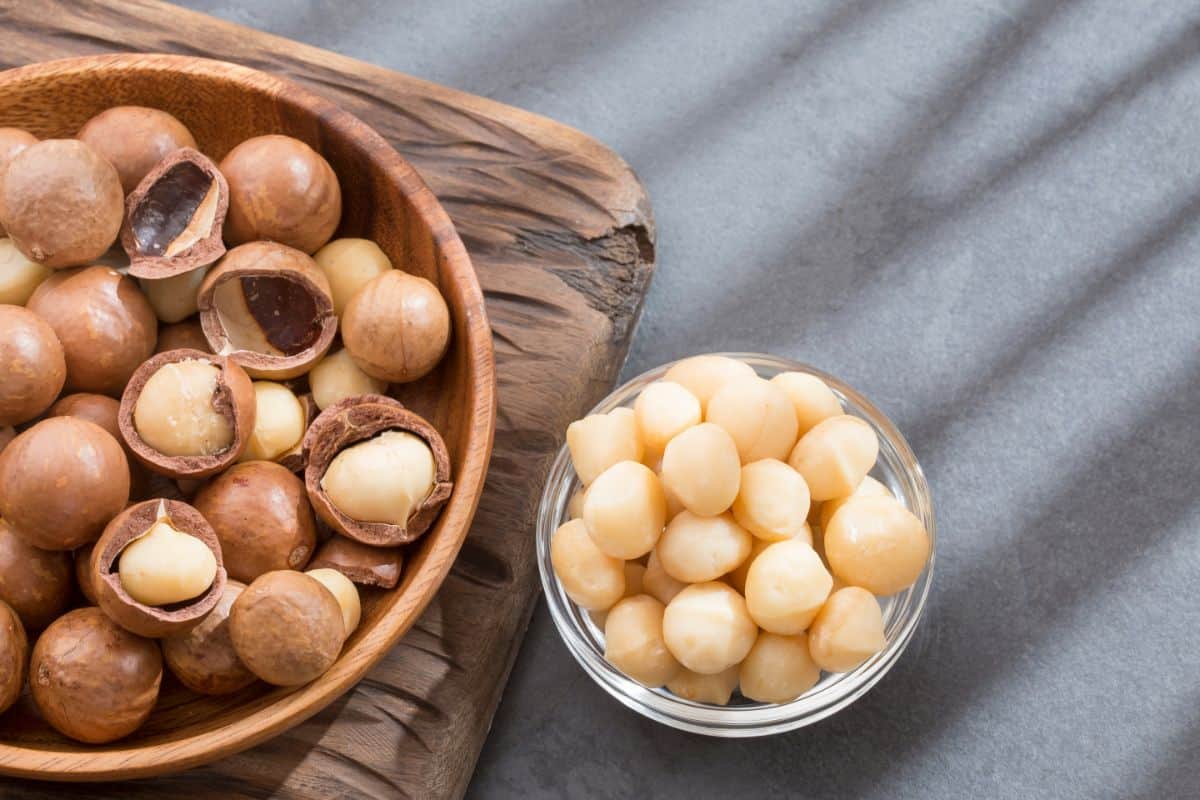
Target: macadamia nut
[[337, 377], [657, 583], [634, 572], [778, 668], [625, 510], [812, 400], [575, 504], [173, 299], [165, 566], [759, 417], [737, 577], [772, 501], [704, 375], [175, 414], [350, 264], [876, 543], [19, 276], [708, 628], [664, 410], [381, 479], [835, 456], [344, 591], [785, 587], [591, 578], [848, 631], [279, 422], [712, 689], [701, 467], [696, 549], [633, 641], [598, 441], [868, 488]]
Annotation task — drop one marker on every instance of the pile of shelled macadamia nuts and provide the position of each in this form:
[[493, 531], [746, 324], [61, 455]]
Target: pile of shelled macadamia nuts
[[728, 534], [199, 440]]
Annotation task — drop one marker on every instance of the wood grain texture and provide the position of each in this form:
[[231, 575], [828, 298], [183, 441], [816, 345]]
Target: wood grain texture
[[562, 238]]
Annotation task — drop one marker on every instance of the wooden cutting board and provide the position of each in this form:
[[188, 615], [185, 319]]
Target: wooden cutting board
[[561, 233]]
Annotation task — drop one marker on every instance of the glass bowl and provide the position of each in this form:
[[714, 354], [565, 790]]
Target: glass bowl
[[896, 468]]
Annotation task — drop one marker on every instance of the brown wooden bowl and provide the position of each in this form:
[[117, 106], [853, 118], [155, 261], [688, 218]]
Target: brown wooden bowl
[[384, 200]]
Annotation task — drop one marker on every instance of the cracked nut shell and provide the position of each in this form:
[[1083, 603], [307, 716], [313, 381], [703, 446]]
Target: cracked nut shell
[[361, 563], [134, 139], [203, 658], [145, 620], [269, 308], [261, 516], [33, 366], [93, 680], [357, 419], [37, 584], [174, 217], [14, 652]]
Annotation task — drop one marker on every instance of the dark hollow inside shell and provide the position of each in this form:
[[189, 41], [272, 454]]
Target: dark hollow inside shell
[[169, 207], [267, 300]]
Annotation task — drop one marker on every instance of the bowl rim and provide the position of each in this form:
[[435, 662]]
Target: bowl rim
[[753, 719], [280, 709]]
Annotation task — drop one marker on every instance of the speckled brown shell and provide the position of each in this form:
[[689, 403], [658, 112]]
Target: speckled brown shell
[[361, 563], [105, 412], [294, 459], [134, 139], [36, 583], [163, 206], [14, 652], [144, 620], [353, 420], [7, 434], [93, 680], [83, 572], [182, 335], [234, 398], [203, 658], [309, 323], [262, 518], [12, 141], [33, 366]]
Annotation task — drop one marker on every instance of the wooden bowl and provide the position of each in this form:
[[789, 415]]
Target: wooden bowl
[[385, 200]]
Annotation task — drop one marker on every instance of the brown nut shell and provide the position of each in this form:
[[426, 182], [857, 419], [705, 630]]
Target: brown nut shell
[[262, 518], [61, 203], [37, 584], [397, 327], [7, 434], [61, 481], [203, 658], [83, 573], [174, 217], [269, 308], [233, 398], [12, 141], [287, 628], [106, 326], [356, 419], [134, 139], [14, 654], [33, 366], [294, 459], [104, 411], [139, 618], [186, 335], [361, 563], [93, 680], [283, 191]]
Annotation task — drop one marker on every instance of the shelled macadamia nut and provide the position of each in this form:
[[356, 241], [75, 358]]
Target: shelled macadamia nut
[[336, 377], [876, 543], [634, 573], [575, 504], [812, 400], [658, 583], [203, 658], [105, 345], [835, 456], [281, 190], [778, 669], [598, 441], [591, 578], [37, 584], [633, 641], [174, 299], [713, 689], [737, 577], [848, 631], [704, 375], [19, 276], [702, 469], [361, 563], [695, 549], [345, 592], [158, 568], [186, 335], [33, 367], [759, 417], [134, 139], [269, 308], [279, 422], [350, 264], [707, 628], [287, 628], [785, 587], [188, 414], [772, 501], [91, 679], [61, 203], [14, 652], [664, 410], [869, 487], [396, 327], [61, 481], [625, 510]]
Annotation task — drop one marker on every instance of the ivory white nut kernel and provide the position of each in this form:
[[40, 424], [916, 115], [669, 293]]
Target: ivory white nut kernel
[[278, 422], [344, 591], [835, 456], [349, 265], [868, 488], [664, 410], [785, 587], [779, 668], [702, 469], [174, 299], [704, 375], [175, 414], [336, 377], [657, 583], [381, 479], [707, 627], [876, 543], [633, 641], [848, 631], [696, 549], [166, 566], [712, 689], [634, 572], [625, 510], [812, 400], [18, 275], [772, 501], [759, 417], [592, 579], [598, 441]]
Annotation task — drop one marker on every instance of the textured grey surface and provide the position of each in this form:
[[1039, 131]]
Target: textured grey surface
[[985, 215]]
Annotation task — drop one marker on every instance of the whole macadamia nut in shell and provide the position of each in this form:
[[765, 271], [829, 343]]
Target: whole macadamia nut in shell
[[14, 652], [36, 583], [203, 658], [33, 367], [134, 139], [397, 327]]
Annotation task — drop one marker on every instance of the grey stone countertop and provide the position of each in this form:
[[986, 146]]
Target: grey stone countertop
[[986, 216]]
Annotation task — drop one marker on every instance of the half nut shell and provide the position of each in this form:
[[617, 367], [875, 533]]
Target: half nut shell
[[269, 308], [144, 620], [173, 219], [361, 563], [233, 398], [356, 419]]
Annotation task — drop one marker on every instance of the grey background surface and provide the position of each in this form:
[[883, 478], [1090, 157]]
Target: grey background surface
[[986, 216]]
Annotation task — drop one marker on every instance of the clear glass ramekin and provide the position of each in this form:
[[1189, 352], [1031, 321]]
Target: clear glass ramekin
[[897, 468]]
